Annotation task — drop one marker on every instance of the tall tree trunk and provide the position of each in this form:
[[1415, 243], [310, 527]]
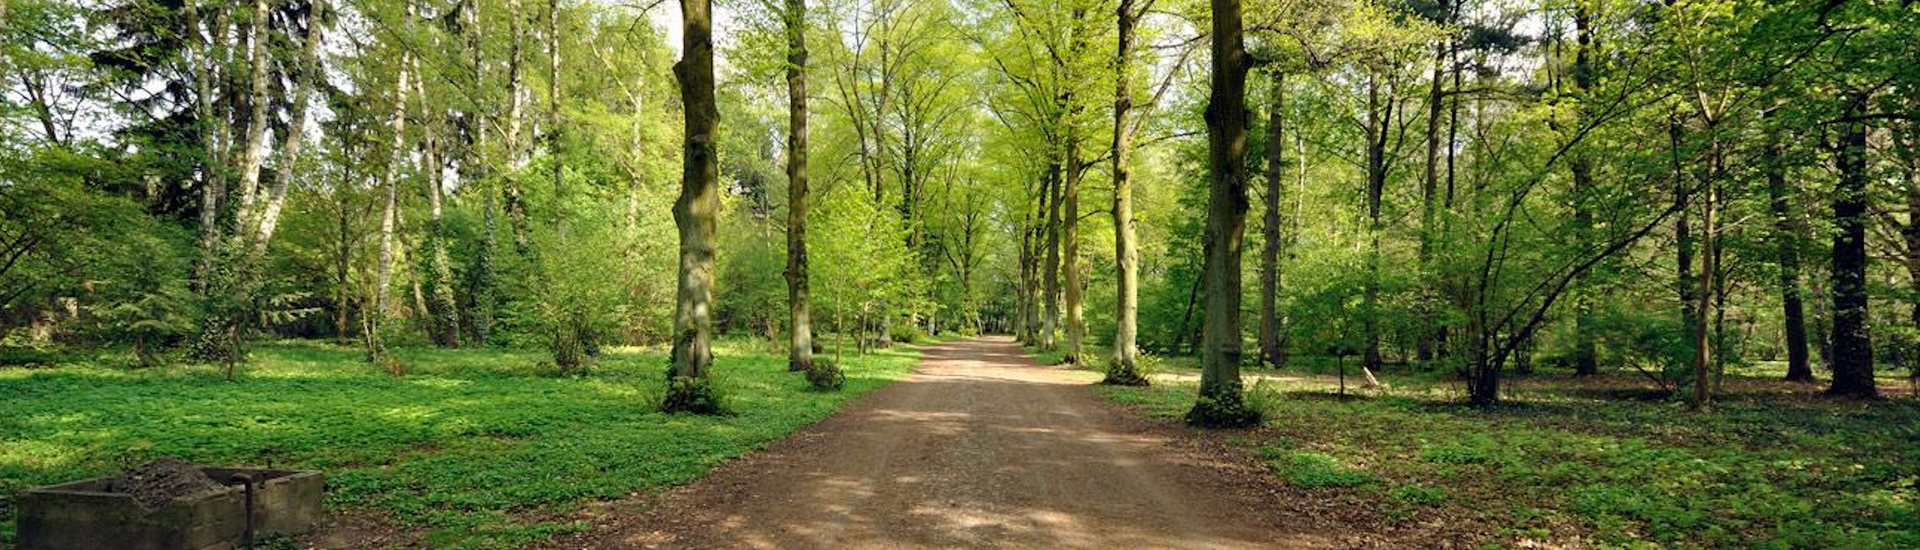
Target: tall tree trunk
[[390, 181], [800, 343], [1430, 184], [1683, 236], [1379, 118], [1073, 279], [474, 167], [1270, 352], [516, 110], [213, 183], [1051, 277], [1907, 145], [555, 125], [1221, 402], [1585, 352], [1703, 343], [255, 154], [1786, 238], [695, 214], [444, 309], [307, 73], [1126, 254], [1852, 344]]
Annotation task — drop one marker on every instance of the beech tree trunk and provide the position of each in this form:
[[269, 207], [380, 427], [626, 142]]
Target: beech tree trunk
[[1050, 298], [1852, 343], [1126, 254], [1072, 277], [1585, 352], [1683, 237], [1703, 343], [695, 211], [800, 344], [1270, 352], [1221, 402], [1379, 118], [1430, 184], [1786, 238]]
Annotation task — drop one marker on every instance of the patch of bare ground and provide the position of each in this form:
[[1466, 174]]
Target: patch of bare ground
[[981, 448]]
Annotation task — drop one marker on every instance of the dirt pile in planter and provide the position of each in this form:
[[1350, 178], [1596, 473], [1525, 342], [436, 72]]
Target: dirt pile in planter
[[159, 482]]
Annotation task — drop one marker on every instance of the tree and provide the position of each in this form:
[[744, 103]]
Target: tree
[[1852, 357], [1126, 352], [695, 212], [1221, 403]]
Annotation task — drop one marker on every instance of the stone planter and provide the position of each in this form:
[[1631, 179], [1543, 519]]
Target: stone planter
[[82, 515]]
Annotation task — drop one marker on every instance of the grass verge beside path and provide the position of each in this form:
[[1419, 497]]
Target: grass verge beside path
[[1586, 463], [467, 448]]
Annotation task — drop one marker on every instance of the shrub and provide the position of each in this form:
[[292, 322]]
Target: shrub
[[906, 332], [825, 375], [686, 394]]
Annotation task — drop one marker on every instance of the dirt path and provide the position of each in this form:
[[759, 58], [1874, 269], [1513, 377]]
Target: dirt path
[[979, 448]]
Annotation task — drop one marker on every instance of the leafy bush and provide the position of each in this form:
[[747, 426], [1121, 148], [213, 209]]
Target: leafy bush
[[686, 394], [825, 375], [906, 332]]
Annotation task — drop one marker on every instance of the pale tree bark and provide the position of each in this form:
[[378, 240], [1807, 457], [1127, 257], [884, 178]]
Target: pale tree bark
[[255, 153], [555, 126], [1220, 402], [390, 181], [800, 331], [1270, 352], [1126, 254], [213, 183], [306, 77], [695, 215], [516, 111]]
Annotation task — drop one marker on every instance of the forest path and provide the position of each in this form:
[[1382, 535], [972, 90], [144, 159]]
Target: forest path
[[979, 448]]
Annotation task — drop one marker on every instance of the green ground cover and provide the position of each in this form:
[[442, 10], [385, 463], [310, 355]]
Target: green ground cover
[[1772, 466], [471, 447]]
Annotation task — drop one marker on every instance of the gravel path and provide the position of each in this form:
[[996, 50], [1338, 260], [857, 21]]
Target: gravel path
[[979, 448]]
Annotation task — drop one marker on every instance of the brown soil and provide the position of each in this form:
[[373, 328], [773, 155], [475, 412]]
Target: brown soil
[[159, 482], [979, 448]]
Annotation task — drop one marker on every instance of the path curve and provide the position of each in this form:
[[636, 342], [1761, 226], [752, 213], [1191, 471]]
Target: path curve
[[979, 448]]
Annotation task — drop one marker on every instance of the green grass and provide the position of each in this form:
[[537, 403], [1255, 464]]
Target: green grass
[[472, 447], [1764, 469]]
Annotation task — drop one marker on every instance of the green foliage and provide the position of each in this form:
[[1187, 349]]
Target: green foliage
[[825, 375], [1315, 470], [689, 395], [474, 449], [149, 307]]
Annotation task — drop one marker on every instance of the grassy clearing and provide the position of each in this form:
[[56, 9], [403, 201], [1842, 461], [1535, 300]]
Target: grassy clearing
[[472, 446], [1773, 466]]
